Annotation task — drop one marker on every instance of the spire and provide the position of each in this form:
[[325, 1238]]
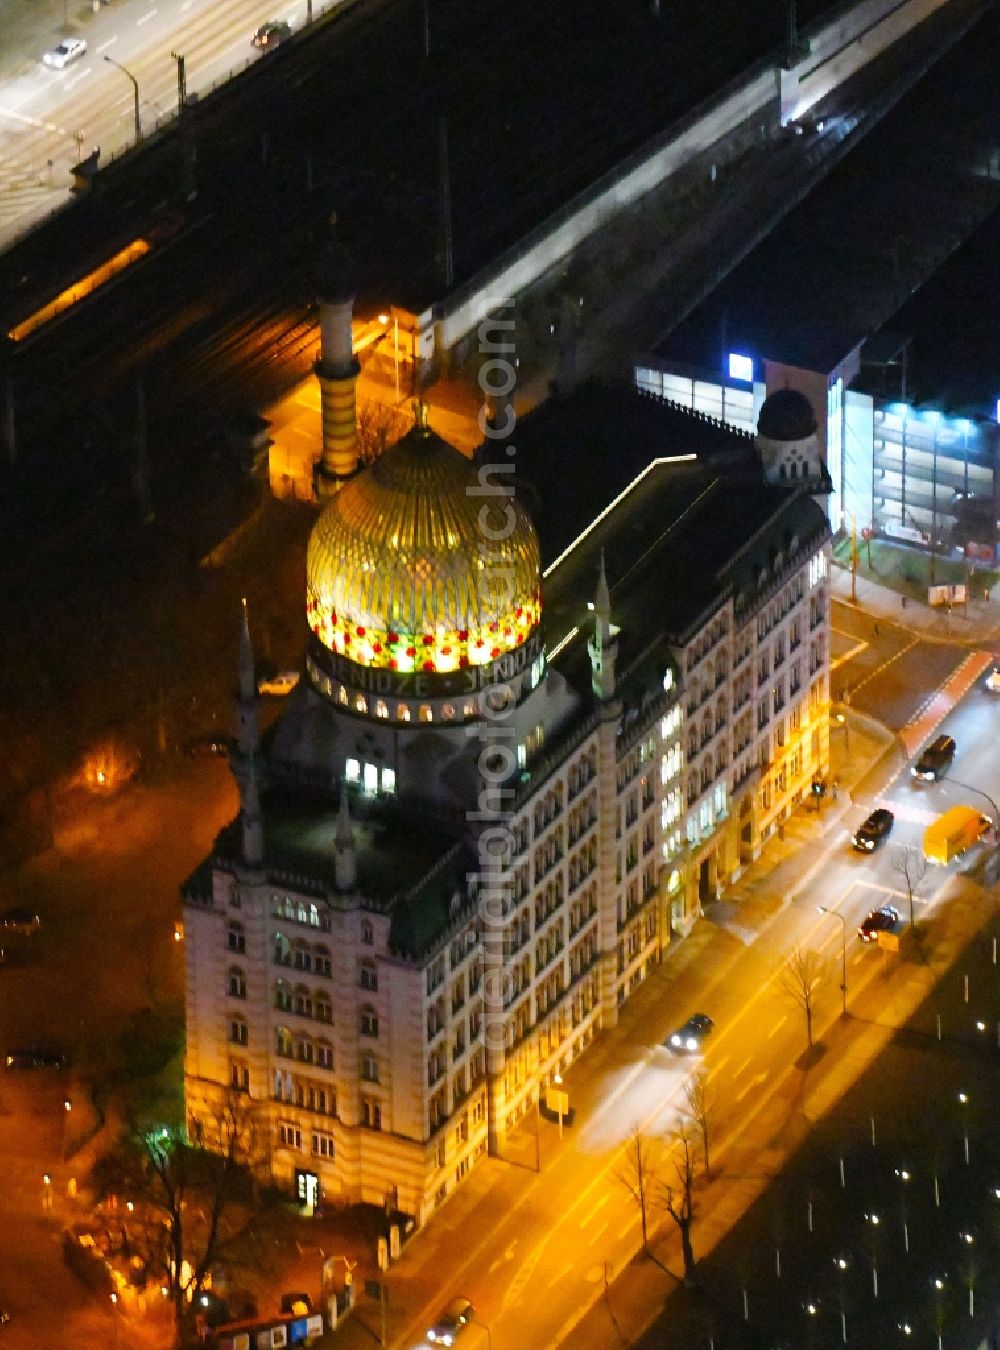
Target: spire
[[603, 646], [248, 688], [345, 858], [337, 368]]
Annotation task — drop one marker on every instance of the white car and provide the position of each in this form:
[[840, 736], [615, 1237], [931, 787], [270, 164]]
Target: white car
[[993, 680], [283, 683], [69, 49]]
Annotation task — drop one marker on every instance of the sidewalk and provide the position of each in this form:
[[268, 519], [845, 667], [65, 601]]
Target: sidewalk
[[977, 624]]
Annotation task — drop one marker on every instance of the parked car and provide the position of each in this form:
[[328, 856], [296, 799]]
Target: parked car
[[24, 921], [271, 34], [688, 1038], [69, 49], [35, 1058], [451, 1322], [882, 920], [870, 834], [211, 744], [935, 760], [282, 683]]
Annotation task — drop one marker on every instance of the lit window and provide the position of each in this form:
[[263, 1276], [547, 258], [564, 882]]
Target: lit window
[[342, 695], [381, 708], [388, 780], [426, 713], [522, 756], [448, 712], [402, 713], [668, 681], [371, 779], [469, 710], [352, 770], [360, 703]]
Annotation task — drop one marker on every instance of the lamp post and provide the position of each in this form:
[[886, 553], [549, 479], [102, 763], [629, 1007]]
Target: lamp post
[[963, 1098], [823, 909], [967, 787], [135, 90]]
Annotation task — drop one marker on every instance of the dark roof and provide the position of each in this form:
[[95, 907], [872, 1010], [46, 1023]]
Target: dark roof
[[576, 454], [786, 415], [299, 832]]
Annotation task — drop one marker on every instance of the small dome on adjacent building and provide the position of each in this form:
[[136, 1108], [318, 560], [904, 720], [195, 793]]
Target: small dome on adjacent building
[[411, 567], [786, 415]]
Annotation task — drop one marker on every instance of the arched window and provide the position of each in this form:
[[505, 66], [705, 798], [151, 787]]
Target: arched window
[[237, 982], [303, 1001], [367, 933], [322, 964], [237, 938], [369, 1022], [283, 996], [322, 1007], [402, 712], [324, 1054], [304, 1049], [283, 1042], [781, 472], [282, 950], [239, 1032], [381, 708], [793, 470], [426, 713], [302, 956]]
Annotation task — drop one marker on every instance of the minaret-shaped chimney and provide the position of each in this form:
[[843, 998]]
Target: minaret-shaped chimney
[[337, 368], [603, 646], [245, 762], [345, 859]]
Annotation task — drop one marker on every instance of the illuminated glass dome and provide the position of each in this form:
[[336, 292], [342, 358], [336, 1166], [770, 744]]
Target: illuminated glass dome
[[401, 573]]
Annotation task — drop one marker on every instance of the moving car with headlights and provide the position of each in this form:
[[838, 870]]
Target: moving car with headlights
[[935, 760], [35, 1058], [69, 49], [271, 34], [23, 921], [882, 920], [451, 1322], [867, 837], [688, 1038]]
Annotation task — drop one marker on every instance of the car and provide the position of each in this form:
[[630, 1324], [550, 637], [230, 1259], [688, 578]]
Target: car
[[881, 920], [23, 921], [934, 760], [211, 744], [271, 34], [451, 1322], [993, 680], [688, 1038], [68, 49], [282, 683], [35, 1058], [867, 837]]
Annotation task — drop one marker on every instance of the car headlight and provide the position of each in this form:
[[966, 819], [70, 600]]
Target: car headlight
[[692, 1043], [675, 1039], [446, 1339], [432, 1335]]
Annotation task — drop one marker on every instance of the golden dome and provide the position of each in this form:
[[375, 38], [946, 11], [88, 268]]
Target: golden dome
[[402, 573]]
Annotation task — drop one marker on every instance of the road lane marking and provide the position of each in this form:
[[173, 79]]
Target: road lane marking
[[777, 1027], [561, 1276], [599, 1232], [754, 1082], [27, 121], [105, 45], [717, 1068], [745, 1065], [624, 1232], [146, 18], [596, 1210]]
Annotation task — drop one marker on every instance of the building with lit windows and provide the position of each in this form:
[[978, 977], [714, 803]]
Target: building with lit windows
[[519, 761]]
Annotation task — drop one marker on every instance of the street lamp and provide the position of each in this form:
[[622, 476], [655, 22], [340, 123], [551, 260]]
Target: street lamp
[[135, 90], [963, 1098], [967, 787], [823, 909]]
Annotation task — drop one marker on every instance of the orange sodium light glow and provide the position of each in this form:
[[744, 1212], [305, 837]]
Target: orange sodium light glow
[[85, 286]]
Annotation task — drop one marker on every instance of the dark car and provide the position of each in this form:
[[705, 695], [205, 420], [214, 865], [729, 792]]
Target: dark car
[[269, 35], [935, 760], [35, 1058], [24, 921], [688, 1038], [877, 827], [450, 1322], [212, 744], [883, 920]]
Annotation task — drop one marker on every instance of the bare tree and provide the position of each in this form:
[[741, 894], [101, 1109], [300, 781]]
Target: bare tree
[[193, 1202], [800, 978], [909, 863], [379, 426], [678, 1197], [635, 1171], [699, 1106]]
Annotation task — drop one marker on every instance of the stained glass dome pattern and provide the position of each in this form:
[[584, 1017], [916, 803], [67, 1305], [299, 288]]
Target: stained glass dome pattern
[[402, 572]]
